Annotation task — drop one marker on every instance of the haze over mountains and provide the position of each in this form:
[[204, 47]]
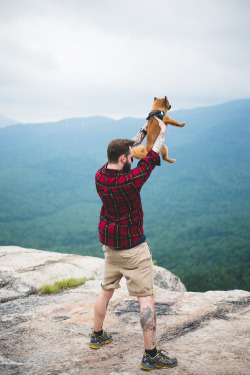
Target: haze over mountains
[[5, 121], [197, 210]]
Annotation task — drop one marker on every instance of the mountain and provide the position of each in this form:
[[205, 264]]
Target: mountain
[[4, 121], [197, 210]]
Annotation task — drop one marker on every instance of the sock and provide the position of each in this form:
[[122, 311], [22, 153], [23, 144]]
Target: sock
[[99, 333], [152, 353]]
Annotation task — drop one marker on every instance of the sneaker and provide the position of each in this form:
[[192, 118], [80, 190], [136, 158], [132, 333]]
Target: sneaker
[[97, 341], [159, 361]]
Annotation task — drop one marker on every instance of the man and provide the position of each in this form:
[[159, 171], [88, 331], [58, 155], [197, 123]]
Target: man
[[121, 232]]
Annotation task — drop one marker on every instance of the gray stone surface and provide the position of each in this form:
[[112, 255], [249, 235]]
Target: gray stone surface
[[49, 335], [24, 271]]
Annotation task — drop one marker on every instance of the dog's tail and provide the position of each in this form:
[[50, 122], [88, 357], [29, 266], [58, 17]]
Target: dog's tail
[[139, 152]]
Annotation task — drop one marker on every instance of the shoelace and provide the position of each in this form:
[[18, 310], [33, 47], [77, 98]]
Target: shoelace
[[163, 360], [162, 350]]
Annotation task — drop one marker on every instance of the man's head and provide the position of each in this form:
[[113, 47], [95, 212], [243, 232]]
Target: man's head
[[120, 151]]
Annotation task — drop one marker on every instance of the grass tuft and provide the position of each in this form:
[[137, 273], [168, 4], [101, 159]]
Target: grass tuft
[[62, 285]]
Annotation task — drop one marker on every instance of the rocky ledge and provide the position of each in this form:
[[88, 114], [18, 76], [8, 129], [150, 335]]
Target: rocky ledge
[[24, 271], [49, 335]]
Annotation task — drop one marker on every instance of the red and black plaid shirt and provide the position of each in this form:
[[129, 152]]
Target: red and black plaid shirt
[[121, 217]]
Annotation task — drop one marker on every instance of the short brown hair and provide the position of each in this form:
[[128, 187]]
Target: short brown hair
[[118, 147]]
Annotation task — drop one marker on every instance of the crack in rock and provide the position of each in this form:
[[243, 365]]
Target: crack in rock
[[66, 259], [221, 313], [3, 282], [38, 266], [134, 307], [17, 291]]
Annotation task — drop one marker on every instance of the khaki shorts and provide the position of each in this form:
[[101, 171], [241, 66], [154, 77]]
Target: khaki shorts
[[134, 264]]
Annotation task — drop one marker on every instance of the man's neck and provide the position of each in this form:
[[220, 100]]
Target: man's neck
[[117, 166]]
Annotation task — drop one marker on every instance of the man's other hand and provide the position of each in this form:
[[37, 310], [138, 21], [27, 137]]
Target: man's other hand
[[161, 124]]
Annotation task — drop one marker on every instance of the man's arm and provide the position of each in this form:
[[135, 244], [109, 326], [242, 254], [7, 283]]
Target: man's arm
[[141, 173], [161, 137], [138, 138]]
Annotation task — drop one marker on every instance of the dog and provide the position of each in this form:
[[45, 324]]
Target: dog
[[159, 109]]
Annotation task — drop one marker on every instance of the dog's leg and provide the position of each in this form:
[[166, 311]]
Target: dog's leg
[[170, 121], [139, 152], [164, 154]]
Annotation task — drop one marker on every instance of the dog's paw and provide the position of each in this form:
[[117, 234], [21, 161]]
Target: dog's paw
[[169, 160], [183, 124]]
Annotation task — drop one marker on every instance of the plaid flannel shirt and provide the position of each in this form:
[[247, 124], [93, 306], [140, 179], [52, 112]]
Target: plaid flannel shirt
[[121, 216]]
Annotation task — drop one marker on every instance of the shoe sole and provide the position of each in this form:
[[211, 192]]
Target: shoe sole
[[102, 343], [157, 367]]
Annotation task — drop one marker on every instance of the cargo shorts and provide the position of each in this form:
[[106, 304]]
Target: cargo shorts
[[134, 264]]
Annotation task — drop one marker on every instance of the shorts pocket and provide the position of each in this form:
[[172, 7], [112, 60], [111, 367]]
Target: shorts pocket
[[135, 257]]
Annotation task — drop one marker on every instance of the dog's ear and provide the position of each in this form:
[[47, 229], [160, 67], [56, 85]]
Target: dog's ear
[[166, 100], [155, 98]]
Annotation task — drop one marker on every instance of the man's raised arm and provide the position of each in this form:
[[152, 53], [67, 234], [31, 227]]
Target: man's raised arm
[[161, 137], [138, 138]]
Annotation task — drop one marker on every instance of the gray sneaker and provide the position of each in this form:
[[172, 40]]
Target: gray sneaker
[[97, 341], [159, 361]]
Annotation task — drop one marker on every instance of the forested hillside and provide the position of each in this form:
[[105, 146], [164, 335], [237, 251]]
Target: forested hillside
[[197, 210]]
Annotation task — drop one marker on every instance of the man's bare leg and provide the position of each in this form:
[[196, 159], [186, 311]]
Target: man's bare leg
[[148, 321], [101, 308]]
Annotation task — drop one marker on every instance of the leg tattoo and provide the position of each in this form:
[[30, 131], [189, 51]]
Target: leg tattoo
[[148, 324], [148, 319]]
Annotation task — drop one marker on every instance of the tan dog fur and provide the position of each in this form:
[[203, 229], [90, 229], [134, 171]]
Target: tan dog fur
[[140, 151]]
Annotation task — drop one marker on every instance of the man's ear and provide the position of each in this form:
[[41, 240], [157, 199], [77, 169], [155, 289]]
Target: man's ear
[[122, 158]]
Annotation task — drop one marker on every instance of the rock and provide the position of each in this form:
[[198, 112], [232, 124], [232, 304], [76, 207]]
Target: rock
[[207, 332], [24, 271], [167, 280], [49, 334]]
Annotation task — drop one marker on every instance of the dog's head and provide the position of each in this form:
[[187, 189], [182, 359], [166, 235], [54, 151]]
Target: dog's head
[[161, 104]]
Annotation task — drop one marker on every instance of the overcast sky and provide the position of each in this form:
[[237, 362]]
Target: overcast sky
[[73, 58]]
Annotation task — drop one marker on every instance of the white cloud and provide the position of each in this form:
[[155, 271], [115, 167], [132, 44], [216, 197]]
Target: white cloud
[[75, 58]]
